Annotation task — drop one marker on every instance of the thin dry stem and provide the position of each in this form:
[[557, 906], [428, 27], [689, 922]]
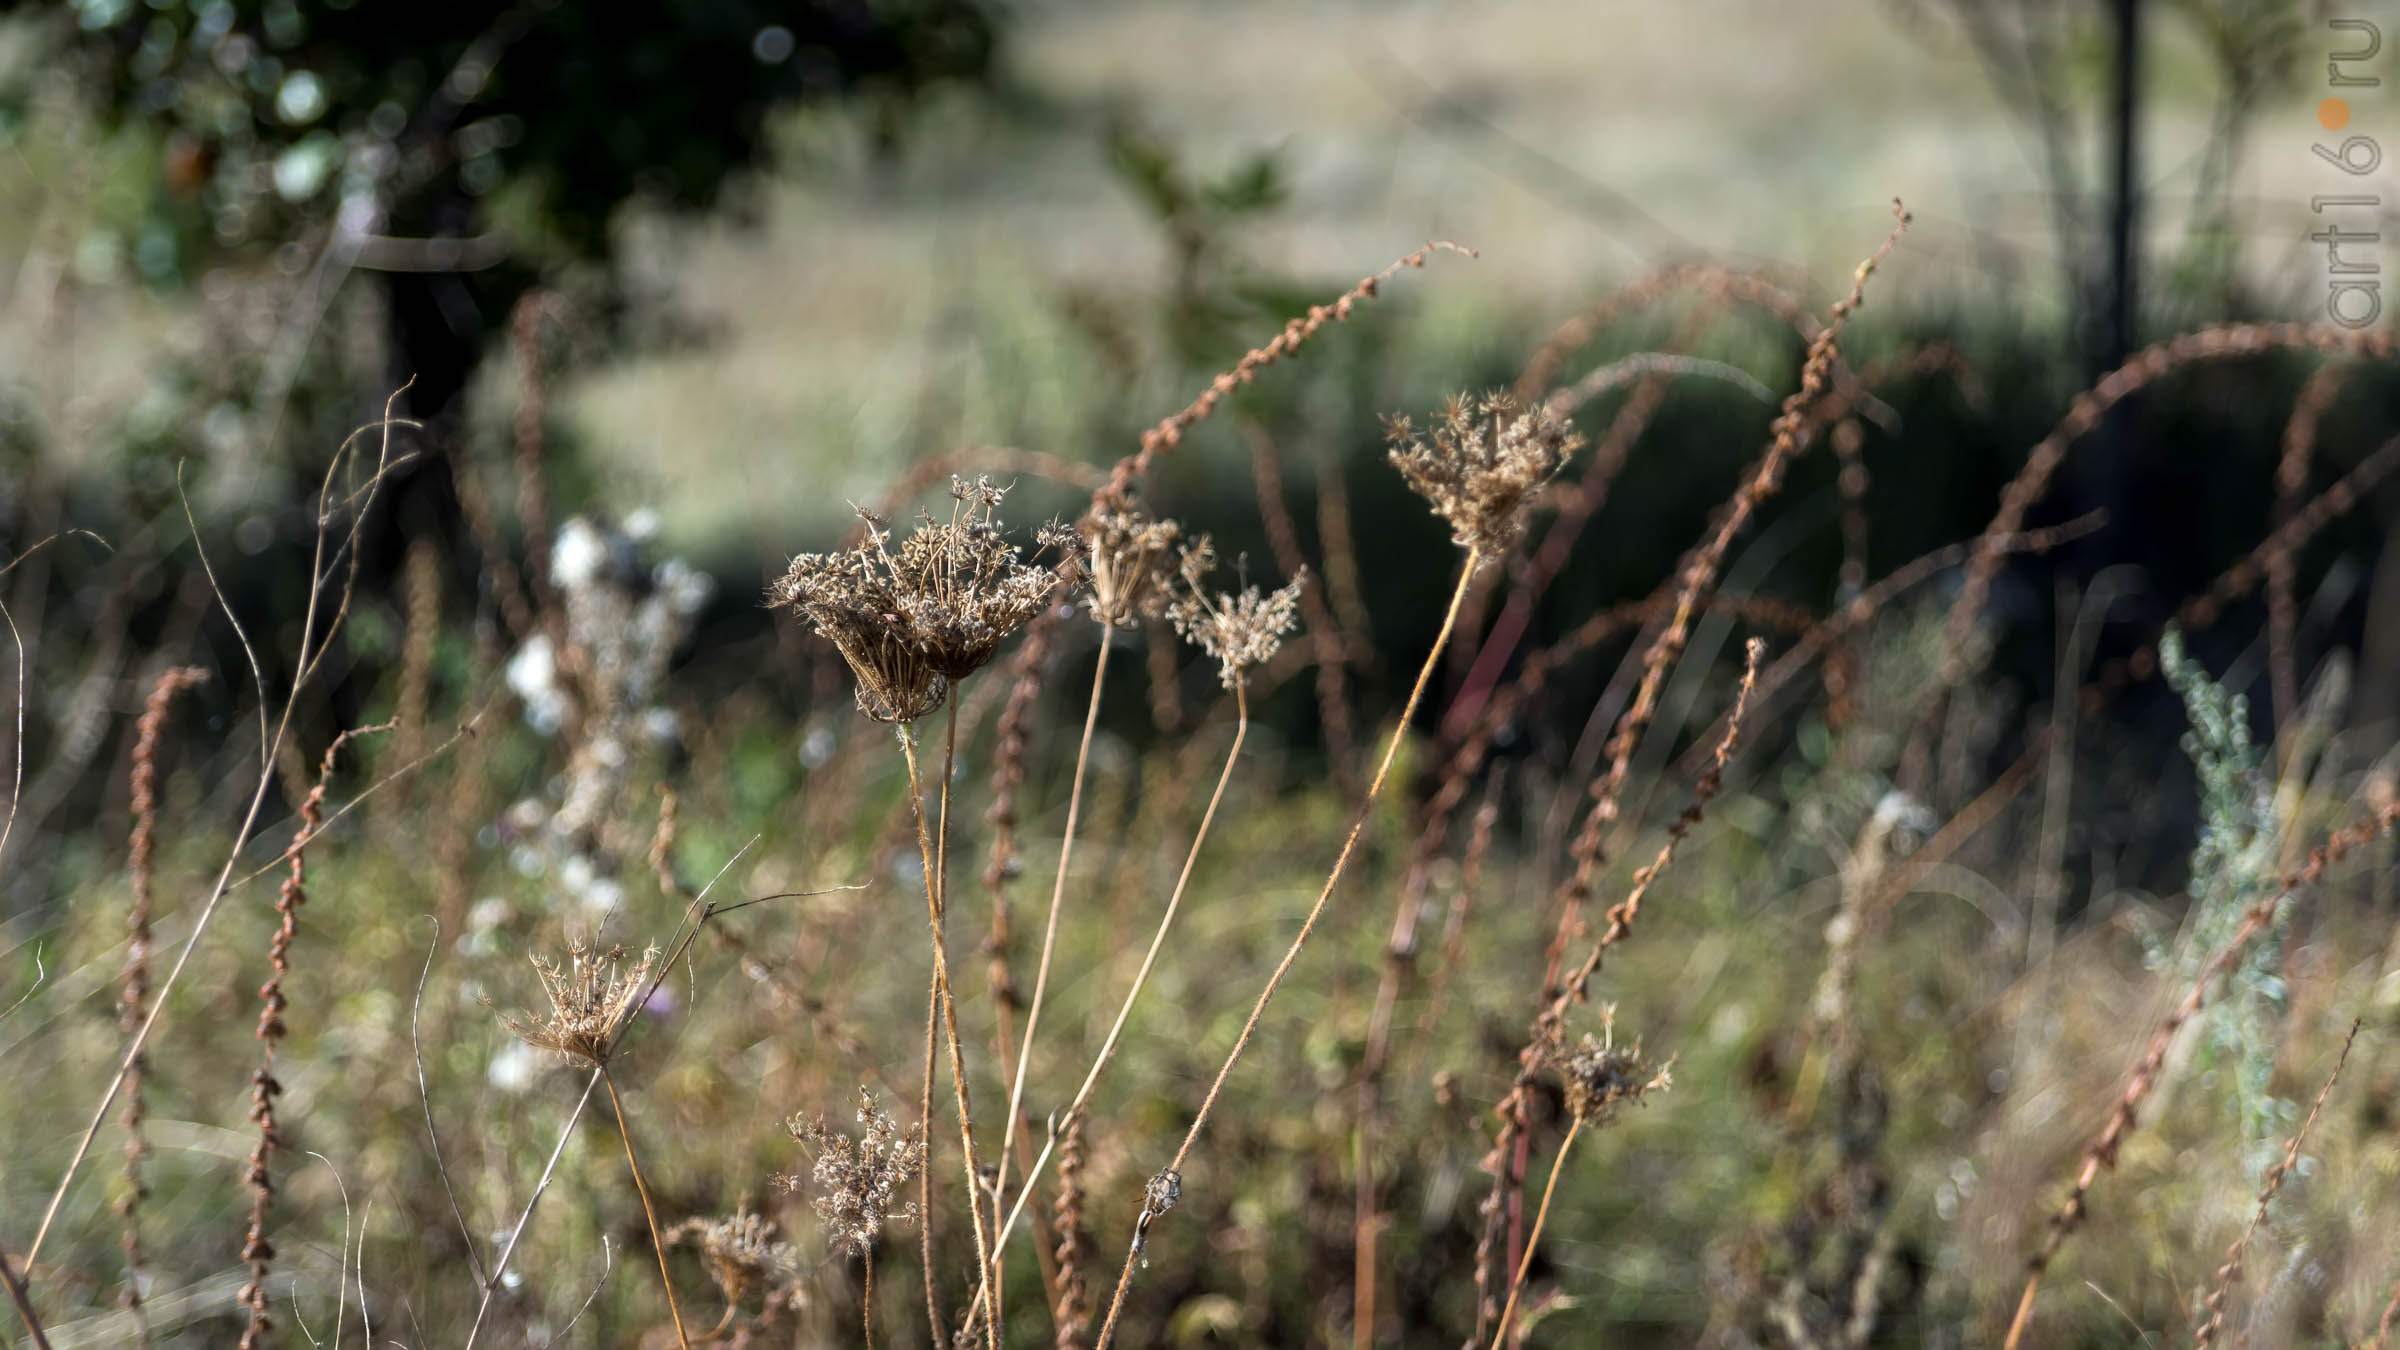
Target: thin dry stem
[[2230, 1272], [23, 1303], [1169, 1181], [641, 1188], [1075, 1112], [1533, 1241], [317, 631], [491, 1283], [1169, 433], [2083, 416], [2101, 1153], [935, 915], [1549, 1023], [1058, 892]]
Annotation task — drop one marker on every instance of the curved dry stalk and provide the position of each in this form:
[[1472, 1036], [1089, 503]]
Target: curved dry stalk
[[23, 1304], [1533, 1240], [2231, 1271], [649, 1214], [1170, 431], [133, 1003], [1191, 857], [507, 1249], [2084, 415], [695, 916], [433, 1138], [1166, 1187], [1141, 977], [2101, 1153], [1696, 583], [935, 914], [317, 630], [1058, 891]]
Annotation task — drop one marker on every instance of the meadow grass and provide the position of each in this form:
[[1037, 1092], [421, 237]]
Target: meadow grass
[[1749, 1015]]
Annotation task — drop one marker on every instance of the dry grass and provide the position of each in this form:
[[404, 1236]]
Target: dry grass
[[1212, 1030]]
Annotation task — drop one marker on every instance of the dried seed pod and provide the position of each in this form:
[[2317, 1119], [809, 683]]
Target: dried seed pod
[[1482, 465], [914, 621], [591, 998], [857, 1182], [1126, 555], [742, 1254], [1243, 631]]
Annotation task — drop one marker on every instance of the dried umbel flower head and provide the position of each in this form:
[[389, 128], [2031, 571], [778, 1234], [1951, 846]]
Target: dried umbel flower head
[[742, 1254], [1481, 466], [856, 1183], [912, 622], [1600, 1075], [1127, 556], [592, 997], [1243, 631]]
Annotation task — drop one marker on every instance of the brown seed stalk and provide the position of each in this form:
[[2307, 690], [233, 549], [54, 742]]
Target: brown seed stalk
[[2101, 1153], [133, 1004], [264, 1088], [2230, 1272]]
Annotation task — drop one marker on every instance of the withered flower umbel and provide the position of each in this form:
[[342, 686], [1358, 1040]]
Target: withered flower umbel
[[742, 1254], [912, 622], [1126, 554], [1481, 467], [1599, 1075], [1243, 631], [856, 1183], [592, 997]]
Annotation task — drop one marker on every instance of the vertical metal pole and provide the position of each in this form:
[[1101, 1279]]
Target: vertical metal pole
[[2123, 263]]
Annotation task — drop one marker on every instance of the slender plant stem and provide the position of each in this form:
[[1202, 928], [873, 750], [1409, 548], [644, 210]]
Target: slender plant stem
[[1533, 1240], [866, 1304], [1058, 890], [1291, 956], [641, 1188], [933, 1013], [935, 915], [24, 1303], [315, 642], [1158, 939], [507, 1249], [1241, 729]]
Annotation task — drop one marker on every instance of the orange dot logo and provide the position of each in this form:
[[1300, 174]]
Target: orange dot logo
[[2333, 114]]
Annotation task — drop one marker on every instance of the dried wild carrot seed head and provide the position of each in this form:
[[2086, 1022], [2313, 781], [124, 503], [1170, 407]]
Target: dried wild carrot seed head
[[591, 997], [856, 1183], [1600, 1075], [742, 1254], [913, 622], [1481, 466], [1126, 555], [1243, 631]]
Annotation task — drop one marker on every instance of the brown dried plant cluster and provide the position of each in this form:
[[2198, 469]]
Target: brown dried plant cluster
[[592, 997], [913, 622], [1481, 465], [857, 1184], [744, 1255], [1599, 1075], [915, 617], [1127, 556], [1243, 630]]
